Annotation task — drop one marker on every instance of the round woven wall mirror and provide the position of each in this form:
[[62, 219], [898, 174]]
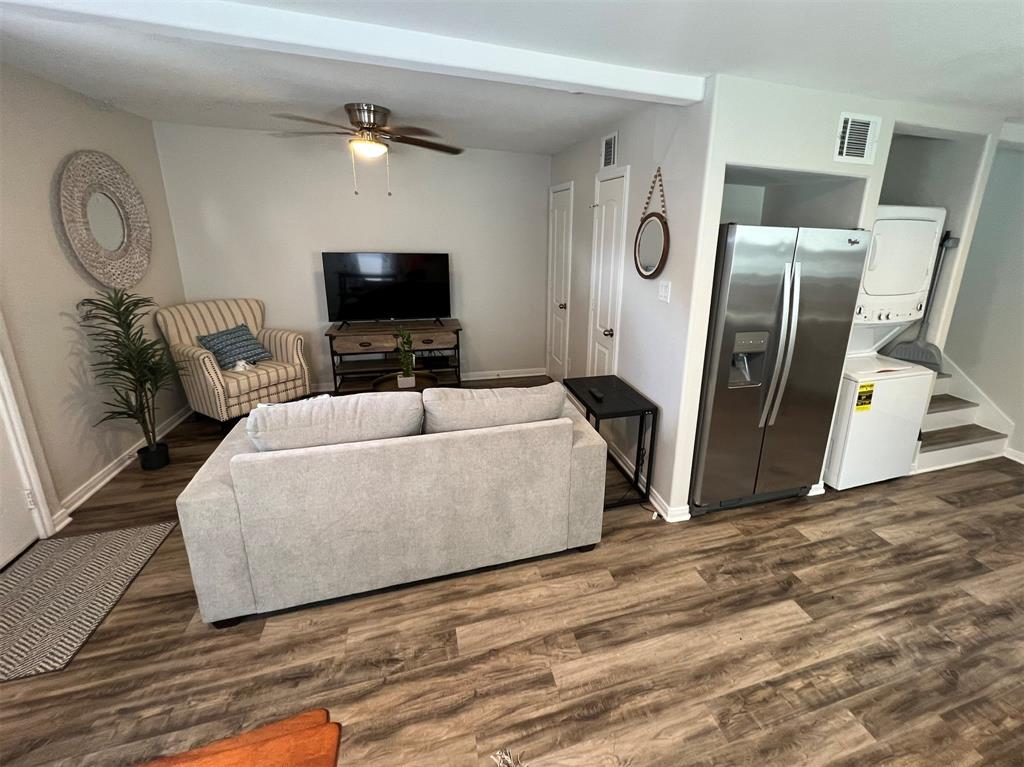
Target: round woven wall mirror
[[105, 219]]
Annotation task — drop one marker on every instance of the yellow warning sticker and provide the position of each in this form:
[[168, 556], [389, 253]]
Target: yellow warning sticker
[[864, 394]]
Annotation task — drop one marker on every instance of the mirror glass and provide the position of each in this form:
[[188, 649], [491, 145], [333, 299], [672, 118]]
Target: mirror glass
[[651, 245], [105, 221]]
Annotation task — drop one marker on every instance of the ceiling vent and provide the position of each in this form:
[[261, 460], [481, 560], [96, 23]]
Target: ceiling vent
[[856, 138], [609, 150]]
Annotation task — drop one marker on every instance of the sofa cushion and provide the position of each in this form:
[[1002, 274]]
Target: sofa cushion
[[234, 344], [460, 409], [335, 420]]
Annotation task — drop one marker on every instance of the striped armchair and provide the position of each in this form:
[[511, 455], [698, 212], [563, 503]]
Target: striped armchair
[[224, 394]]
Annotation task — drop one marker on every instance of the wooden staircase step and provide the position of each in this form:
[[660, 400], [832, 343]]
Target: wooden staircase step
[[942, 383], [942, 439], [944, 403]]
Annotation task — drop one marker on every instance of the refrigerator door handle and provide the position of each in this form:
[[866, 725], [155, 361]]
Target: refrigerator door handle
[[777, 368], [791, 342]]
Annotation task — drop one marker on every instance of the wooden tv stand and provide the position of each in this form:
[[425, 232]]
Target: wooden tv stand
[[363, 351]]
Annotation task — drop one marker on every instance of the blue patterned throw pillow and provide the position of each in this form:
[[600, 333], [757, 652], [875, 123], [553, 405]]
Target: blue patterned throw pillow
[[230, 346]]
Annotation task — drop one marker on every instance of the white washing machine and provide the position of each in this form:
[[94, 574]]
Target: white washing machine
[[882, 402]]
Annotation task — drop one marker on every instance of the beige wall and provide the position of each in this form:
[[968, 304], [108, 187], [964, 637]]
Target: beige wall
[[40, 125], [741, 123], [986, 336], [652, 333], [795, 130], [252, 214]]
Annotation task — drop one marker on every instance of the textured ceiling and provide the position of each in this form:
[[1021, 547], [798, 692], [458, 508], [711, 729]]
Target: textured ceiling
[[169, 79], [965, 53]]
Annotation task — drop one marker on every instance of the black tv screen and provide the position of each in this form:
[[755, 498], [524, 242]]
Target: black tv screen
[[386, 286]]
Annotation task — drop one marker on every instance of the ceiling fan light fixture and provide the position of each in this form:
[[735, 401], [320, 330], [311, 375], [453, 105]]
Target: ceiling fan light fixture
[[368, 149]]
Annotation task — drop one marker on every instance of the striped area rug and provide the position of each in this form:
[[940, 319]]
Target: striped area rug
[[56, 594]]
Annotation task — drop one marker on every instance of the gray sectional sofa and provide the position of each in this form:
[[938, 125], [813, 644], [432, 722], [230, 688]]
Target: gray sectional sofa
[[328, 507]]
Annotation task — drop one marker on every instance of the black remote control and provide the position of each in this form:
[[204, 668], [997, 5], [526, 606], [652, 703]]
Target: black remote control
[[597, 394]]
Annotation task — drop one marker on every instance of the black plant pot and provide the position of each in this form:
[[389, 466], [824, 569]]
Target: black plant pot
[[155, 457]]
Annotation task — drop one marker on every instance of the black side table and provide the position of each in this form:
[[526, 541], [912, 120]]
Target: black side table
[[619, 400]]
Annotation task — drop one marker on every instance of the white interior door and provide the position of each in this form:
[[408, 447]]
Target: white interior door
[[606, 271], [17, 518], [22, 505], [559, 265]]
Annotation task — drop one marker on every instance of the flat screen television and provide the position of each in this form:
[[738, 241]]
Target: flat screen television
[[386, 286]]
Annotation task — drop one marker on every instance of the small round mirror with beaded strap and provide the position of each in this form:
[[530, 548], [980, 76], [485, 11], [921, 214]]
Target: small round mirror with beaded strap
[[650, 248]]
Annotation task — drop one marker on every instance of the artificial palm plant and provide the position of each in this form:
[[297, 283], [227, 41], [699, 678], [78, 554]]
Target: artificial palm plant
[[133, 366]]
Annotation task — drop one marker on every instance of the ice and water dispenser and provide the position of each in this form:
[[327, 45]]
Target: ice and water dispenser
[[748, 359]]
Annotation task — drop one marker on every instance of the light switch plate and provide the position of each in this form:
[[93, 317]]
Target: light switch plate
[[664, 290]]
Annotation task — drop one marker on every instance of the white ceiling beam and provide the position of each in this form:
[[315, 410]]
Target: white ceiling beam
[[285, 31]]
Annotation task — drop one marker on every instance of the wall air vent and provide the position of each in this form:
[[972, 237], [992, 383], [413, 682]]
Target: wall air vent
[[609, 150], [856, 138]]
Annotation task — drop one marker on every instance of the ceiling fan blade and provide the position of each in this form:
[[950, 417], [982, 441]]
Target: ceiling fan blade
[[406, 130], [313, 120], [437, 147], [300, 134]]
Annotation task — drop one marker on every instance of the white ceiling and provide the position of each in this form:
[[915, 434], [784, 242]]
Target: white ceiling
[[168, 79], [192, 71], [968, 52]]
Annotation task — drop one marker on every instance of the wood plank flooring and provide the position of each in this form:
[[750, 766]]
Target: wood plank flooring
[[883, 625]]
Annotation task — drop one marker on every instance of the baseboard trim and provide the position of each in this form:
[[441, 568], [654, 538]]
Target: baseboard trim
[[665, 511], [61, 520], [95, 483], [670, 513], [1015, 455]]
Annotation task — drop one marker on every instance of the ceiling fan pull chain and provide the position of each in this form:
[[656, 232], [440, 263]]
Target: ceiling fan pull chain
[[387, 170], [355, 181]]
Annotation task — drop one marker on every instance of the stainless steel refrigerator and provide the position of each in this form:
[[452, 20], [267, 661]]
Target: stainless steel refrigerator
[[780, 321]]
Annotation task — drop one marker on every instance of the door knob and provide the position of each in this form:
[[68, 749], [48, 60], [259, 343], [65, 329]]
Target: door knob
[[562, 306], [609, 332]]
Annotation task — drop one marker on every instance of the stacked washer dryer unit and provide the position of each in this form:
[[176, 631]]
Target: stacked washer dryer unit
[[882, 401]]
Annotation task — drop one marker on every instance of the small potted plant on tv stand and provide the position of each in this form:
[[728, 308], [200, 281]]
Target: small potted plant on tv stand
[[407, 378]]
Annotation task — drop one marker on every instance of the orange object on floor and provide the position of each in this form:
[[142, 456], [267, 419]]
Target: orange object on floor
[[303, 740]]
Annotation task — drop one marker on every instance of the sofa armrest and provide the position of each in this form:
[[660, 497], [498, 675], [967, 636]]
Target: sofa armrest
[[201, 378], [587, 469], [283, 345], [208, 513]]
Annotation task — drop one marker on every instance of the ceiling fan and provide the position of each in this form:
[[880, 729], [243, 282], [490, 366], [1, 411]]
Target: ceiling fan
[[370, 131]]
